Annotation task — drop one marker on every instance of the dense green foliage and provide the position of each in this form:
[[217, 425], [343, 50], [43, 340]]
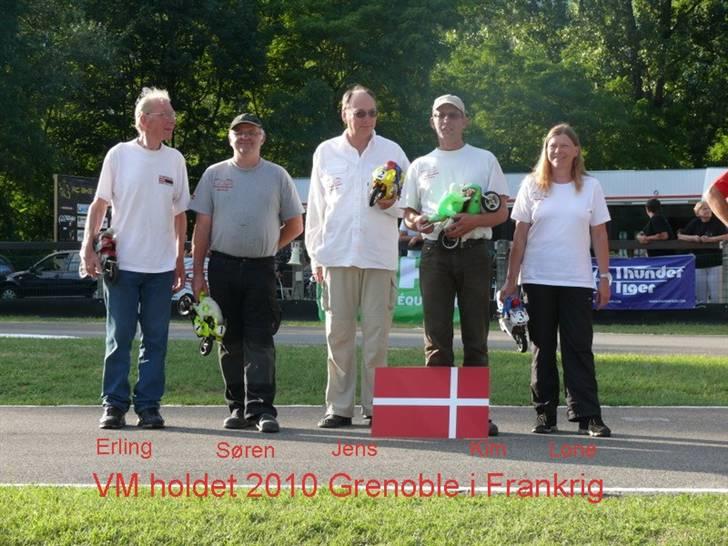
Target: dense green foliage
[[644, 81]]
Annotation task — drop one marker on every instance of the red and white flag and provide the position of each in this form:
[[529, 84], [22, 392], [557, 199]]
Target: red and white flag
[[433, 402]]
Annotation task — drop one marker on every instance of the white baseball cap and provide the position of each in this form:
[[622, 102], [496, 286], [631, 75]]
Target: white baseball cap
[[449, 99]]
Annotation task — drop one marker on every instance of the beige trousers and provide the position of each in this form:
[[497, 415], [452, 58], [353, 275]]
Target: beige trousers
[[348, 292]]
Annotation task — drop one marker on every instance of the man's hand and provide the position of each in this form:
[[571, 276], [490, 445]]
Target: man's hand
[[318, 274], [414, 241], [180, 277], [199, 284], [90, 261], [642, 238], [462, 224], [384, 204], [422, 223]]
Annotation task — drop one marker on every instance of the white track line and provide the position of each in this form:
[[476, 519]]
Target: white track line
[[37, 336]]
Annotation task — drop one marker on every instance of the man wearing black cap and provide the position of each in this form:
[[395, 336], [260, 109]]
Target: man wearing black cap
[[462, 271], [247, 209]]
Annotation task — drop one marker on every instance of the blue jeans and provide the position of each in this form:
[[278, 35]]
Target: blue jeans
[[143, 298]]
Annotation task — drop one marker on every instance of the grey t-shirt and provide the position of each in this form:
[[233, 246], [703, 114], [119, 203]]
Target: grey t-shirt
[[247, 206]]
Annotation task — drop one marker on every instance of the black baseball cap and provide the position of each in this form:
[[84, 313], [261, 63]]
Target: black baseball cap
[[246, 118]]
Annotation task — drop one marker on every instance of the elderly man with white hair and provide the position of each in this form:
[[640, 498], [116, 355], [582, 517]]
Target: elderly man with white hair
[[145, 183]]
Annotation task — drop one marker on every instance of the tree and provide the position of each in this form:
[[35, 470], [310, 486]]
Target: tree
[[644, 82], [43, 48], [318, 49]]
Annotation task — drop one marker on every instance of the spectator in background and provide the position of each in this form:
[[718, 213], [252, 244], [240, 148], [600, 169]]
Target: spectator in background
[[410, 241], [717, 198], [657, 229], [706, 228]]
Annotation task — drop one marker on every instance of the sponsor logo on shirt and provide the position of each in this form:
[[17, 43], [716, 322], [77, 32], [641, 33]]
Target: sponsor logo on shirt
[[166, 180], [222, 184], [538, 195], [430, 173], [335, 183]]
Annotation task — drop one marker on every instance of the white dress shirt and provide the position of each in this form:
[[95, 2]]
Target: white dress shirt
[[342, 230]]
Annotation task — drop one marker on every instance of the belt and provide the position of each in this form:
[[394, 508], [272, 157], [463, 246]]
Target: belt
[[228, 257], [468, 243]]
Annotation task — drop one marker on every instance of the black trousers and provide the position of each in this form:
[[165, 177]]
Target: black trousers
[[462, 272], [568, 310], [245, 289]]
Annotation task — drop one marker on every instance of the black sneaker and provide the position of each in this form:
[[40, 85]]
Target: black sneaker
[[150, 418], [237, 420], [267, 423], [492, 428], [594, 426], [544, 424], [112, 418], [334, 421]]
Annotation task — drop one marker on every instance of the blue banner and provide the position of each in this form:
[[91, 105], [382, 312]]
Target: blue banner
[[665, 282]]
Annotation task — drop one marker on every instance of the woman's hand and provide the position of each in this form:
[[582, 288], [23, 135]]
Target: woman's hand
[[603, 293], [509, 288]]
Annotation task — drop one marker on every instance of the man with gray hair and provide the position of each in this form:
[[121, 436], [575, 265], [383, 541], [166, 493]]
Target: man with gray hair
[[461, 270], [247, 209], [145, 183], [353, 249]]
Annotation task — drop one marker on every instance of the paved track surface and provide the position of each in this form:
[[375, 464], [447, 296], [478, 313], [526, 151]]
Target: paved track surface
[[404, 337], [660, 448], [654, 448]]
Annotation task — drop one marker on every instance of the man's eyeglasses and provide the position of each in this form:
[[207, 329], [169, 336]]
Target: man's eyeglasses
[[246, 134], [168, 115], [447, 115], [361, 114]]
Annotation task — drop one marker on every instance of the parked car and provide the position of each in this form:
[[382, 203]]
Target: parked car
[[6, 268], [56, 275]]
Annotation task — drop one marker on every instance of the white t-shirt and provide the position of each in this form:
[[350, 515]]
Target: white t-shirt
[[146, 189], [342, 230], [432, 176], [557, 247]]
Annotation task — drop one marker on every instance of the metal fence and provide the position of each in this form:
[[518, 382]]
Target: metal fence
[[25, 254]]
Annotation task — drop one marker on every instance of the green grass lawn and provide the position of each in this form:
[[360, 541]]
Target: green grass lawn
[[40, 371], [65, 516]]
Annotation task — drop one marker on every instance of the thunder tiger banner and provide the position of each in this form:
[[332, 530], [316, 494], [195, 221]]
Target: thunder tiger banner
[[664, 282]]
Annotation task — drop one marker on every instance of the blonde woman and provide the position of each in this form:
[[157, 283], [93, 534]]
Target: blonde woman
[[559, 210]]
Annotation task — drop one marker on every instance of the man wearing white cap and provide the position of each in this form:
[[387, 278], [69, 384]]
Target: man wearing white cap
[[465, 270]]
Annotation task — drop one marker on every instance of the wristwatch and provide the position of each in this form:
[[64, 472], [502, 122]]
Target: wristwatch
[[607, 276]]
